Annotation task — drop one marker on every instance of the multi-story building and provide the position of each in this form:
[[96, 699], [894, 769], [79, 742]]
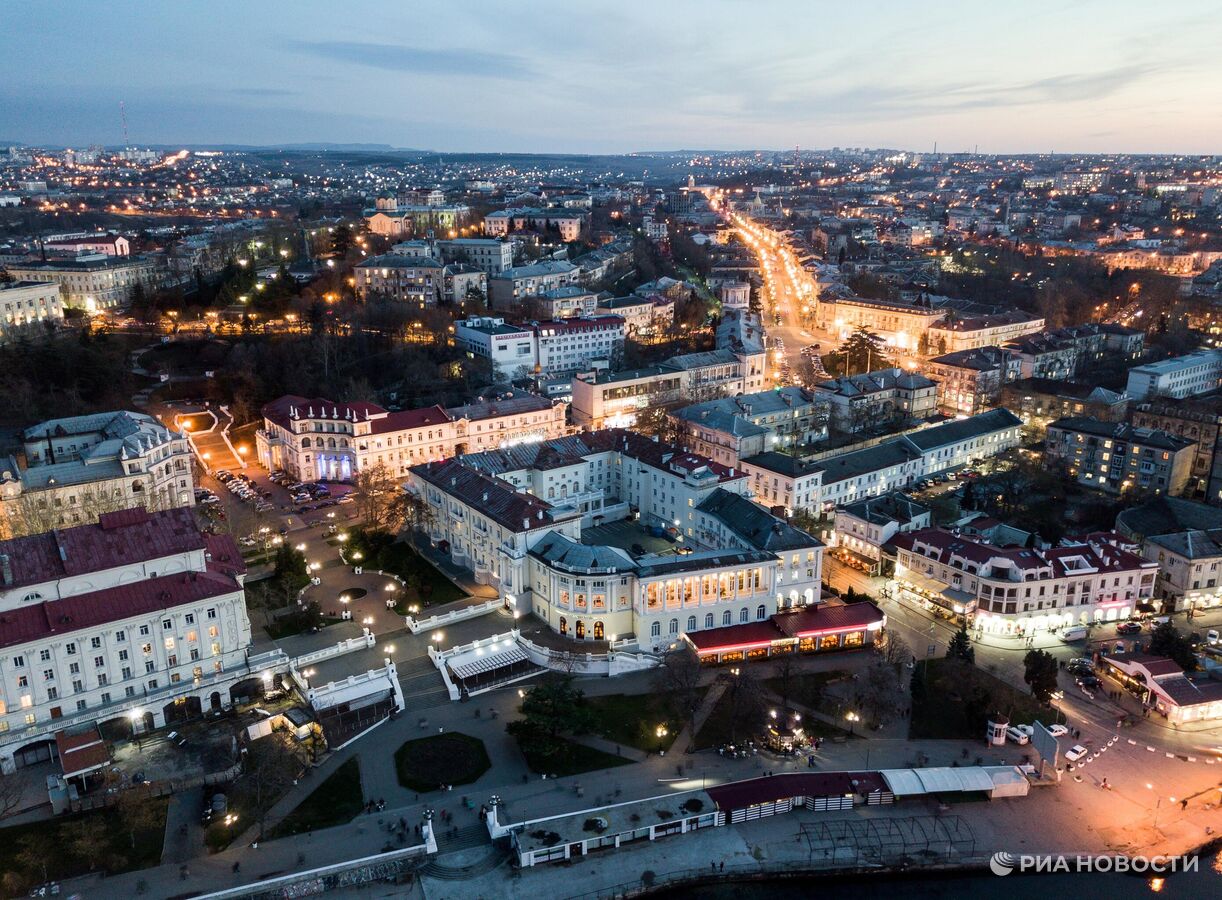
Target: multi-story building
[[900, 325], [100, 242], [542, 348], [970, 381], [487, 254], [568, 302], [1189, 568], [411, 279], [733, 428], [863, 530], [1119, 457], [1181, 376], [1038, 401], [643, 316], [568, 345], [516, 284], [321, 440], [400, 220], [865, 401], [778, 479], [1197, 419], [515, 517], [511, 348], [955, 334], [140, 617], [1015, 590], [79, 467], [25, 305], [565, 223], [95, 282], [738, 365]]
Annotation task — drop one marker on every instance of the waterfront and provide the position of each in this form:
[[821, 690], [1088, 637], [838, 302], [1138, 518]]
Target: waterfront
[[1204, 882]]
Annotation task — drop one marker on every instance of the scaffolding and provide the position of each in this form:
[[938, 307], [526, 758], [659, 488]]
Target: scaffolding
[[916, 840]]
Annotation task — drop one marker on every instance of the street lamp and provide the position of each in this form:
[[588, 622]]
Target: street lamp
[[852, 718]]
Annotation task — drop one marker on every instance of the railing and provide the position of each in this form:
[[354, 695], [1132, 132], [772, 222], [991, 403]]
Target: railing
[[318, 695], [415, 626], [388, 866], [363, 642]]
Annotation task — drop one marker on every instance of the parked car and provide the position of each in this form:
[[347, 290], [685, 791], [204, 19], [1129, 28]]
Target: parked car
[[1058, 730], [1211, 637], [1128, 628], [1076, 752], [1016, 735], [175, 737]]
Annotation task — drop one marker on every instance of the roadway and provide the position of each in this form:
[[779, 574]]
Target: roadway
[[788, 290]]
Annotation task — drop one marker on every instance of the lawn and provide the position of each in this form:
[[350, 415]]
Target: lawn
[[56, 849], [633, 720], [958, 699], [424, 584], [452, 758], [570, 758], [334, 802]]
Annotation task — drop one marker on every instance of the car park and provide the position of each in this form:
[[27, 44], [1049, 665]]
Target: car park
[[1076, 752]]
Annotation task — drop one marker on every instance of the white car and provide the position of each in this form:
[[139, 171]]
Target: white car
[[1076, 752], [1058, 730], [1017, 735]]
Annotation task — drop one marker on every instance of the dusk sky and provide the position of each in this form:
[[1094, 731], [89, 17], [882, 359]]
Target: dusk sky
[[618, 76]]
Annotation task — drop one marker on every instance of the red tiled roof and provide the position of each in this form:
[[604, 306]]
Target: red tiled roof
[[411, 418], [731, 636], [817, 620], [823, 618], [280, 409], [224, 555], [741, 794], [118, 539], [82, 752], [38, 621]]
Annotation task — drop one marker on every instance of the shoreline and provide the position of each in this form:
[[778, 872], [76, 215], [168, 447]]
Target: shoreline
[[892, 871]]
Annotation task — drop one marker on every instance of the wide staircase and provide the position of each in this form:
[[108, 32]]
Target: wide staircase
[[422, 684], [464, 839]]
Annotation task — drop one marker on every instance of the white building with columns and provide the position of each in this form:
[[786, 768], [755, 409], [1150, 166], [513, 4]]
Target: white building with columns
[[515, 517]]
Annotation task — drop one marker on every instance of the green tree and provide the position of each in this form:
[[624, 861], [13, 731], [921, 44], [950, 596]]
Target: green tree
[[549, 710], [861, 352], [291, 571], [1040, 673], [1166, 641], [960, 646], [341, 240]]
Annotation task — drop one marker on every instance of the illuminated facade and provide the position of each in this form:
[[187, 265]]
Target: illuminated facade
[[321, 440], [1012, 589]]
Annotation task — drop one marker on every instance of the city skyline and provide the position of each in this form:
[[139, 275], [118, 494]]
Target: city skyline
[[595, 80]]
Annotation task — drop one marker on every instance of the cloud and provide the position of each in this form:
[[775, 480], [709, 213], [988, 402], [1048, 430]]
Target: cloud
[[401, 58]]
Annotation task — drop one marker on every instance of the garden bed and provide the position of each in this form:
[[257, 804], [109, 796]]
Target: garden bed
[[428, 763], [423, 583], [337, 801], [958, 699]]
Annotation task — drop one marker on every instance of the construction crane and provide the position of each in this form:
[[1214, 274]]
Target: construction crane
[[123, 119]]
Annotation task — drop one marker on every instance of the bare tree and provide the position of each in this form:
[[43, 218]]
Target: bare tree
[[678, 677], [271, 767], [11, 793], [878, 693], [379, 500]]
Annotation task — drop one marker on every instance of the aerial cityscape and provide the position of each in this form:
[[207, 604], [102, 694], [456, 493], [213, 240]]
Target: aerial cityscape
[[421, 476]]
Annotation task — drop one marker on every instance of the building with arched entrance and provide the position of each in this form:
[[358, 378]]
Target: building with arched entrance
[[1021, 590], [139, 618]]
